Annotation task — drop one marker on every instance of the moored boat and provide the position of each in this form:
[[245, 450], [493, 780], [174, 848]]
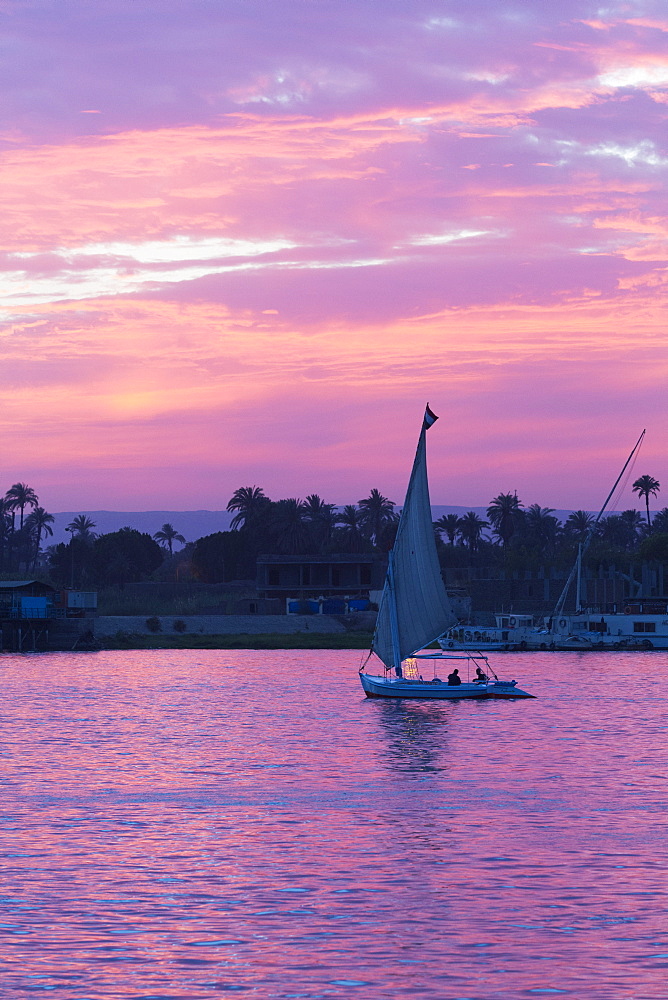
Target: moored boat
[[639, 624], [511, 632]]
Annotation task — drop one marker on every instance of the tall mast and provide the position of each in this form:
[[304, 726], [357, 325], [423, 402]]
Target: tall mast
[[559, 607]]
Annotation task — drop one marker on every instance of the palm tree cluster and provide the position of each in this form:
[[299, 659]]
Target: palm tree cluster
[[535, 531], [294, 527], [20, 541]]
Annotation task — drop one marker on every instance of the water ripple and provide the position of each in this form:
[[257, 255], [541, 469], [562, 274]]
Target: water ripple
[[197, 824]]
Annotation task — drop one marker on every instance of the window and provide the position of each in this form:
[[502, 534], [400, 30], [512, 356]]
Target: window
[[272, 577], [365, 575], [644, 626], [336, 576]]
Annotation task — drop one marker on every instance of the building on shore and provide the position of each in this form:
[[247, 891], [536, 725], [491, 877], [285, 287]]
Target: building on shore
[[34, 614], [306, 577]]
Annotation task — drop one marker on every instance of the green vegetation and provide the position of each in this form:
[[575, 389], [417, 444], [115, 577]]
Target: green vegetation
[[296, 640], [526, 538], [514, 537], [120, 600]]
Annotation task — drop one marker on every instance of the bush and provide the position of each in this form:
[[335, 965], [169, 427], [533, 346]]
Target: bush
[[153, 624], [179, 625], [655, 547]]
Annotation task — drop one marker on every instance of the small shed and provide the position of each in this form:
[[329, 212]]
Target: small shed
[[26, 599]]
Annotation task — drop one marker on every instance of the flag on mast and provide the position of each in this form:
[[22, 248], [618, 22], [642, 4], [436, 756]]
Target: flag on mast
[[429, 419]]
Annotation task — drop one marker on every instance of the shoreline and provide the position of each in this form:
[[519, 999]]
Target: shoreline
[[293, 640]]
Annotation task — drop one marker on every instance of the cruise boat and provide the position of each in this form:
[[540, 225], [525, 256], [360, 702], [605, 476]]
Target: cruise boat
[[511, 632], [639, 624]]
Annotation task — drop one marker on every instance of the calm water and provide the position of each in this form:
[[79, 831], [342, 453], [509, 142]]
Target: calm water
[[204, 824]]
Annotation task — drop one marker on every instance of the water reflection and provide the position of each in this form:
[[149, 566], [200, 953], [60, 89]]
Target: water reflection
[[416, 734], [198, 824]]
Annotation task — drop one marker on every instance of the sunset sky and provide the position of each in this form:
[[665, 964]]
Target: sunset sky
[[245, 241]]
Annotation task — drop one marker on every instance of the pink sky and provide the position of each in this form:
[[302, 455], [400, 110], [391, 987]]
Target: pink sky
[[244, 242]]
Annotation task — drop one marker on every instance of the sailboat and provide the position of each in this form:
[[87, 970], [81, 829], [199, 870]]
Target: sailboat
[[414, 610]]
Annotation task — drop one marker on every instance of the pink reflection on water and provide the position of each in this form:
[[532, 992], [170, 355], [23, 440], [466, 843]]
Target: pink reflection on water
[[186, 824]]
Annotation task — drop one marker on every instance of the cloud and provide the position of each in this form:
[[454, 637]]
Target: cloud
[[247, 241]]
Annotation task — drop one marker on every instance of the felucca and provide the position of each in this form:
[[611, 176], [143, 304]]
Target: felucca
[[415, 610]]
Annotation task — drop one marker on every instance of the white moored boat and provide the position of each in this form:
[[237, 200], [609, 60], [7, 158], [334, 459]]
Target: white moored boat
[[642, 623], [414, 610], [511, 632]]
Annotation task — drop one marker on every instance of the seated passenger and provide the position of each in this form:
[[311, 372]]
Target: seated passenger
[[454, 678], [480, 675]]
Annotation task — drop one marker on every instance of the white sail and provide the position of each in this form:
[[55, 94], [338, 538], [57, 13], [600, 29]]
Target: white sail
[[414, 608]]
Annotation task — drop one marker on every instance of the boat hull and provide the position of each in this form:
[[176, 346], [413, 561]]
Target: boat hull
[[455, 645], [399, 687]]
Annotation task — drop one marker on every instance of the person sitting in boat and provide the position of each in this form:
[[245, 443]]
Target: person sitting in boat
[[480, 675], [454, 678]]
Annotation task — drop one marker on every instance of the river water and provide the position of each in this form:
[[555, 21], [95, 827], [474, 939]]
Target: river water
[[186, 824]]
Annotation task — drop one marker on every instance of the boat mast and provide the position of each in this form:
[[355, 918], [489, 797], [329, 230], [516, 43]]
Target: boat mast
[[559, 607], [394, 624], [578, 587]]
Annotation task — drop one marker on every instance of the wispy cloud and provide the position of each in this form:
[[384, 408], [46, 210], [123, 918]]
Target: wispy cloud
[[320, 217]]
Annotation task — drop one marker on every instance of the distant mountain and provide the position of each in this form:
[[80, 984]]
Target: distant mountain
[[438, 511], [192, 524]]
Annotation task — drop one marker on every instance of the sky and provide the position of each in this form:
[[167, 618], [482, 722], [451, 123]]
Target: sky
[[245, 241]]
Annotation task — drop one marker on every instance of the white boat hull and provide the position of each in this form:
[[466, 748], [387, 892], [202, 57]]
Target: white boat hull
[[520, 635], [401, 687], [479, 647]]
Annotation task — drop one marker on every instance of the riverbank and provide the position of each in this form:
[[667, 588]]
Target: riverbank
[[227, 632], [294, 640]]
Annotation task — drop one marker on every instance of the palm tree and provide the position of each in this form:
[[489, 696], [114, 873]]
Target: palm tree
[[620, 530], [5, 530], [541, 526], [448, 524], [38, 522], [503, 513], [661, 521], [377, 513], [250, 502], [322, 518], [82, 526], [632, 519], [350, 532], [288, 528], [579, 524], [644, 486], [471, 528], [5, 539], [167, 536], [20, 496]]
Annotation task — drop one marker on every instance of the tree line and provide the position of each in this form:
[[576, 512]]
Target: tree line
[[512, 532], [533, 531], [88, 559]]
